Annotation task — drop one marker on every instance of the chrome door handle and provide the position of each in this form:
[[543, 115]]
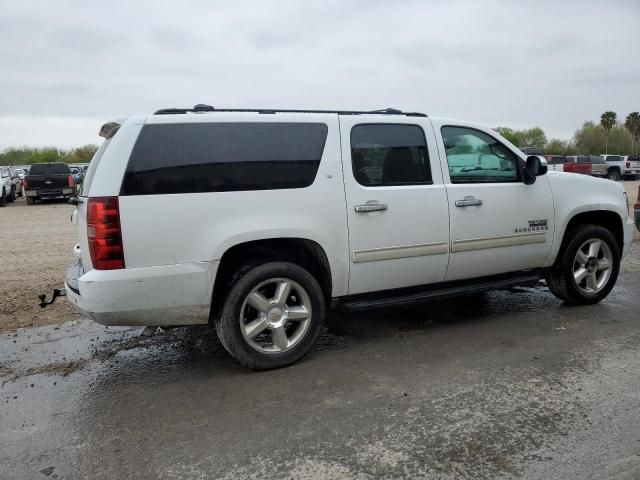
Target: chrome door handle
[[469, 202], [371, 206]]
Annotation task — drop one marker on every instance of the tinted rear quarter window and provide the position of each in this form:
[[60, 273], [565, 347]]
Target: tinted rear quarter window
[[50, 169], [221, 157]]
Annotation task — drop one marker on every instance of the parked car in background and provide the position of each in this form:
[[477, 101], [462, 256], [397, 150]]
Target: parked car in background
[[316, 210], [77, 173], [556, 163], [16, 181], [596, 164], [48, 181], [5, 186], [622, 166]]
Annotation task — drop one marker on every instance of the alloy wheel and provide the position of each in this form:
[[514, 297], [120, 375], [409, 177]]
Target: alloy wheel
[[275, 315], [592, 266]]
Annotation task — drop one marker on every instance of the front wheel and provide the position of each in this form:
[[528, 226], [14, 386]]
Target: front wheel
[[588, 267], [272, 315]]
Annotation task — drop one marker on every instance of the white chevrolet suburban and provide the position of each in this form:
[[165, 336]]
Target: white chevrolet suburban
[[258, 221]]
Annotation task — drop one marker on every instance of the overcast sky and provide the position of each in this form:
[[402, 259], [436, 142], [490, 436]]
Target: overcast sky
[[69, 66]]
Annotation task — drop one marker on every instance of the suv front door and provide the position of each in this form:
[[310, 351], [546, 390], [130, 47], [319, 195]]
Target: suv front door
[[396, 203], [498, 224]]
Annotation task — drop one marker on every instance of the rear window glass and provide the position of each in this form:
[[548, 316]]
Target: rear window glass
[[221, 157], [389, 154], [50, 169], [556, 159], [613, 158]]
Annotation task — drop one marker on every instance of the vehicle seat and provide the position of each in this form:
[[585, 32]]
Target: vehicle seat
[[399, 167], [357, 159]]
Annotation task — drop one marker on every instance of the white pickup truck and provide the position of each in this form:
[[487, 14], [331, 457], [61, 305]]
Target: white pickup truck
[[622, 166], [258, 221]]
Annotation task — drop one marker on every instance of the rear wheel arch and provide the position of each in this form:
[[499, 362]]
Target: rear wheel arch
[[306, 253]]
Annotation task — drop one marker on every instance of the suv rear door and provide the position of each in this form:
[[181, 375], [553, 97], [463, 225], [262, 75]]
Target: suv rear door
[[396, 203]]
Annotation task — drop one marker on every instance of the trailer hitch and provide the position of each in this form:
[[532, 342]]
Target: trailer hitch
[[57, 292]]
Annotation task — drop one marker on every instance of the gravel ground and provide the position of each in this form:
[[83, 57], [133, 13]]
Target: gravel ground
[[37, 249], [34, 251]]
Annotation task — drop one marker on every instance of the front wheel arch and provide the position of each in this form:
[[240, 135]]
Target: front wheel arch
[[603, 218]]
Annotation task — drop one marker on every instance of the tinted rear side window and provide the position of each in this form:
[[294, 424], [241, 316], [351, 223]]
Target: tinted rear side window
[[50, 169], [222, 157], [389, 154]]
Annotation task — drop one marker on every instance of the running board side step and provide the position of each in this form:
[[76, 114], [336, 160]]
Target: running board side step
[[403, 297]]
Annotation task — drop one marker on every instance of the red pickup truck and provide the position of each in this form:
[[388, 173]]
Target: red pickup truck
[[585, 164]]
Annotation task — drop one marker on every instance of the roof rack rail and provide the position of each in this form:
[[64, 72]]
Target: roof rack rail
[[202, 108]]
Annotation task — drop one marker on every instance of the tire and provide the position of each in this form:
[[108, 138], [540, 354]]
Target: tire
[[12, 195], [268, 348], [31, 200], [596, 281], [614, 175], [3, 198]]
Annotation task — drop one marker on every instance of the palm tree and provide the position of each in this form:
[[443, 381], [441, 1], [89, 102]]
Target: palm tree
[[632, 122], [607, 120]]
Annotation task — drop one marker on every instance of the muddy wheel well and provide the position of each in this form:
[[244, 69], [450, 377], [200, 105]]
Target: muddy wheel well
[[306, 253], [603, 218]]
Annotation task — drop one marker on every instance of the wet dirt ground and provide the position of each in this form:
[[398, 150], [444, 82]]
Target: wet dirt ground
[[507, 384]]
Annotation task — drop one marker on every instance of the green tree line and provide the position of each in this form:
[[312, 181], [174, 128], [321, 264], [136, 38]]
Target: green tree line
[[592, 138], [29, 155]]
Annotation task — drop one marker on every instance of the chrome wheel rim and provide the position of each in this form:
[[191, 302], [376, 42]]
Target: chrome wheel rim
[[592, 266], [275, 315]]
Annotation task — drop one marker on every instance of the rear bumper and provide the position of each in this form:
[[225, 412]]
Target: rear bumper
[[629, 231], [55, 193], [165, 295]]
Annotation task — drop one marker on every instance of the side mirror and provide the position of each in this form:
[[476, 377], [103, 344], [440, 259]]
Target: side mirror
[[533, 167]]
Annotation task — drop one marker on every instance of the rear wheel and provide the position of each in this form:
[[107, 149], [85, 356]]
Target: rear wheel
[[3, 198], [12, 195], [272, 315], [588, 267], [613, 175]]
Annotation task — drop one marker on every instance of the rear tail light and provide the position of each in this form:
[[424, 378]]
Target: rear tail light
[[72, 182], [628, 164], [104, 234], [25, 182]]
